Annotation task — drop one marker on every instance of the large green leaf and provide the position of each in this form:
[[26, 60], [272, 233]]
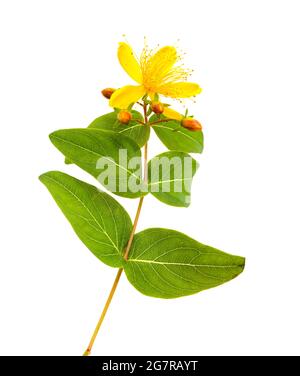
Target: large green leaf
[[99, 221], [134, 130], [105, 155], [168, 264], [175, 137], [170, 177]]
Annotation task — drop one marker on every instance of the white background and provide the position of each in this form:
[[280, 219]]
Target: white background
[[56, 56]]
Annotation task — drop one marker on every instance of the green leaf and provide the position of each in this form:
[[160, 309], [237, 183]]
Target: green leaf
[[170, 177], [138, 132], [105, 155], [168, 264], [100, 222], [134, 130], [175, 137]]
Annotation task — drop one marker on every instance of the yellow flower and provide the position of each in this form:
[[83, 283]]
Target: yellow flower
[[155, 72]]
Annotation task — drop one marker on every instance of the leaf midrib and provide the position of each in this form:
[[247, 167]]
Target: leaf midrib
[[130, 128], [168, 181], [182, 264], [171, 129]]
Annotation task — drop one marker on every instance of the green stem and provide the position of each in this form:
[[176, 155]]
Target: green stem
[[126, 253]]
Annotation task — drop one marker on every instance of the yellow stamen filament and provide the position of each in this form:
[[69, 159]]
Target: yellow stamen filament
[[163, 71]]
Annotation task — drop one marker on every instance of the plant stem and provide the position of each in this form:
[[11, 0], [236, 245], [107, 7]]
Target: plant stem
[[126, 253], [146, 163], [137, 216], [105, 309]]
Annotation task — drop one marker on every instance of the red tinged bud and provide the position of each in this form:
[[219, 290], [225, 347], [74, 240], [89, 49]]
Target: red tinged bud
[[191, 124], [124, 116], [108, 92], [157, 107]]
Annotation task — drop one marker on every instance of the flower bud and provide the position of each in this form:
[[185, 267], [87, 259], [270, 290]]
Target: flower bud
[[124, 116], [191, 124], [157, 108], [108, 92]]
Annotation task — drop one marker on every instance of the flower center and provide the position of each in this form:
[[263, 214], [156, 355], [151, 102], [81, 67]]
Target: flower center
[[162, 67]]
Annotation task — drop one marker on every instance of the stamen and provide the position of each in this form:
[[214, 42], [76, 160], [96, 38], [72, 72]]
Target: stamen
[[163, 71], [160, 71]]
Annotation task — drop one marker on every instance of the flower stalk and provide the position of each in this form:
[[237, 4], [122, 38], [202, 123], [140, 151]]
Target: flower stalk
[[127, 249]]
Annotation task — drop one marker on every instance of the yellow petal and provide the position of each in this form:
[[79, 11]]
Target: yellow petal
[[123, 97], [172, 114], [179, 90], [129, 62], [158, 66]]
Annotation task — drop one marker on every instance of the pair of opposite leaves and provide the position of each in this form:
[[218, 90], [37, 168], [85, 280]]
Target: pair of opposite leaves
[[162, 263], [85, 147]]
